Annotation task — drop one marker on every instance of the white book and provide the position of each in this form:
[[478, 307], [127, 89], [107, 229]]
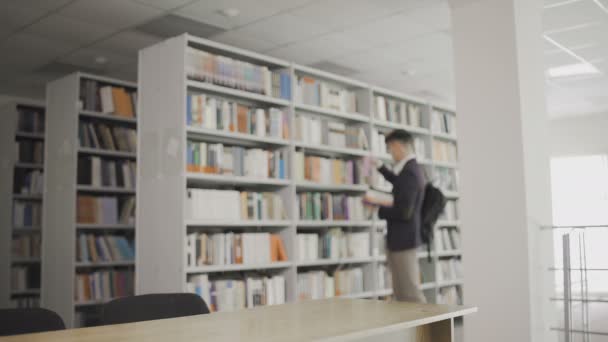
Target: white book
[[210, 115], [260, 122], [107, 101], [95, 171], [380, 108]]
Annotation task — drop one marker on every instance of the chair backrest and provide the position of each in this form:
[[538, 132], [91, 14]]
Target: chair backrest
[[25, 321], [152, 306]]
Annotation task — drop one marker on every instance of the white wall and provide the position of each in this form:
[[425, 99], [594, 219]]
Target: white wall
[[581, 135]]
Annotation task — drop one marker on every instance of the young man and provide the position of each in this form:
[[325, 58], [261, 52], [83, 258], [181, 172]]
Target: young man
[[403, 216]]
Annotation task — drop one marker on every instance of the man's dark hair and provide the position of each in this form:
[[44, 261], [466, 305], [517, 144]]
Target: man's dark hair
[[400, 136]]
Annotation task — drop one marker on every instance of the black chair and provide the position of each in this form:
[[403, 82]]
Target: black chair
[[25, 321], [152, 306]]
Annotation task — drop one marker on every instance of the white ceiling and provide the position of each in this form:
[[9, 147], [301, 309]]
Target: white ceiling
[[400, 44]]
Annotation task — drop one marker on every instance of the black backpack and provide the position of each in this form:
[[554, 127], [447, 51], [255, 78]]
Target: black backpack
[[432, 207]]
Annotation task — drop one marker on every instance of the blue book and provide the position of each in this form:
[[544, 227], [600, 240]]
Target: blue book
[[189, 110], [27, 215], [100, 251], [125, 248]]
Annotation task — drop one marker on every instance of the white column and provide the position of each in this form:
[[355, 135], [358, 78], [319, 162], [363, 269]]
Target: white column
[[505, 179]]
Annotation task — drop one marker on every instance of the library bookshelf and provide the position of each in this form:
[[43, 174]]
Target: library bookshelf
[[69, 107], [23, 123], [163, 175]]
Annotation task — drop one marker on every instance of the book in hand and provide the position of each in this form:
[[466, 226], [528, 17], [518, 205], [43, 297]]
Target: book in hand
[[234, 249], [235, 160], [233, 206], [103, 285], [232, 294], [104, 248], [333, 244], [232, 73]]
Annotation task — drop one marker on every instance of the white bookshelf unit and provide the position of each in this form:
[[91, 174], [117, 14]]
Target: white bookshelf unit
[[21, 192], [70, 106], [163, 175]]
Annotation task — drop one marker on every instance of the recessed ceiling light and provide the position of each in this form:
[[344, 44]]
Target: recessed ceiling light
[[230, 12], [101, 60], [577, 69]]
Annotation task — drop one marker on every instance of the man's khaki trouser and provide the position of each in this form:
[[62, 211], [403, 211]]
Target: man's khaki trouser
[[406, 275]]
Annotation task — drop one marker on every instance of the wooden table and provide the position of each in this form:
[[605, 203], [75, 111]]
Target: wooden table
[[321, 320]]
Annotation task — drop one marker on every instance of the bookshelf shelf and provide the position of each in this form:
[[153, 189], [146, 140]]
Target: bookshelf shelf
[[428, 286], [26, 230], [104, 190], [301, 69], [28, 135], [311, 186], [238, 267], [106, 116], [29, 166], [240, 224], [332, 150], [394, 125], [107, 153], [448, 223], [28, 197], [384, 293], [444, 136], [81, 264], [451, 194], [449, 165], [353, 117], [25, 260], [341, 261], [446, 283], [233, 137], [27, 292], [451, 253], [212, 88], [101, 226], [202, 179], [92, 302], [332, 223], [366, 294]]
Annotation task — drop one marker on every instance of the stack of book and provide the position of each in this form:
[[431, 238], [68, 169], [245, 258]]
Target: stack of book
[[449, 240], [233, 206], [327, 170], [311, 91], [450, 295], [27, 214], [328, 206], [450, 212], [322, 131], [209, 112], [234, 160], [30, 120], [100, 172], [100, 97], [444, 122], [29, 151], [385, 279], [111, 138], [446, 179], [29, 182], [104, 285], [379, 143], [104, 248], [444, 151], [319, 285], [25, 277], [233, 248], [333, 244], [25, 246], [450, 269], [234, 294], [227, 72], [400, 112], [105, 210]]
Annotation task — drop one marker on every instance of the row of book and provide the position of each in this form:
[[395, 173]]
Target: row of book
[[105, 209], [28, 182], [103, 248], [319, 284], [321, 131], [384, 277], [104, 285], [30, 119], [378, 141], [101, 172], [328, 206], [450, 295], [396, 111], [27, 214], [450, 212], [449, 269], [234, 294], [333, 244], [26, 246], [446, 179], [228, 72], [311, 91], [29, 151], [102, 136], [233, 248], [100, 97], [25, 302], [444, 151], [234, 160], [449, 239], [209, 112], [232, 205], [327, 170], [444, 122], [25, 277]]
